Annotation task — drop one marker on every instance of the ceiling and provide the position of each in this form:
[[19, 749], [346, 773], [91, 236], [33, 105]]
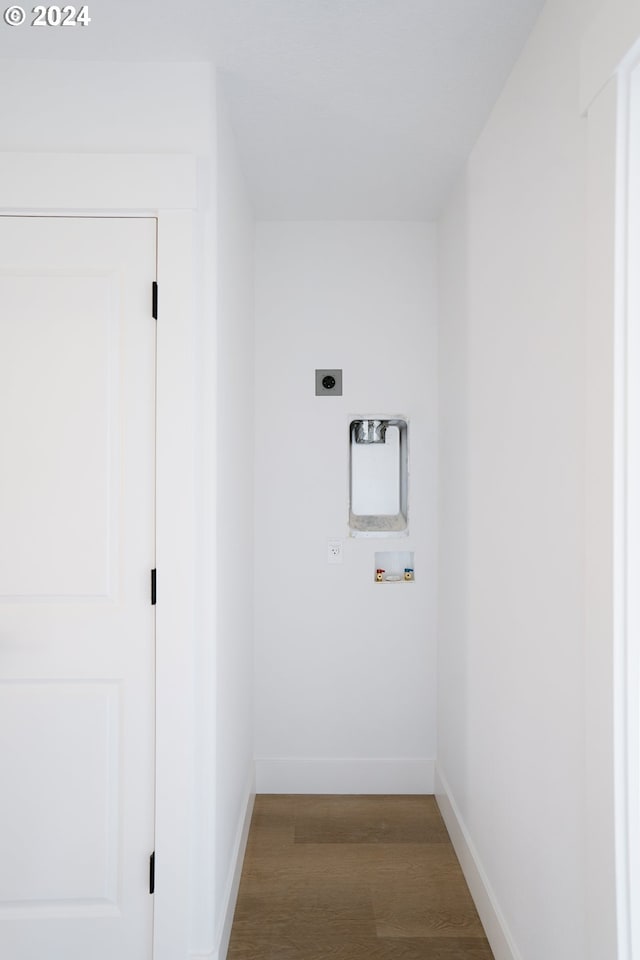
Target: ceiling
[[343, 109]]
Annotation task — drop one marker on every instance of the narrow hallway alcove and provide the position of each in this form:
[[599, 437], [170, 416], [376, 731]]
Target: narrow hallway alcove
[[388, 302]]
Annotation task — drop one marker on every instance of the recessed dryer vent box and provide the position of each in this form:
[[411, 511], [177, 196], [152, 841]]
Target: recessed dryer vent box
[[378, 477]]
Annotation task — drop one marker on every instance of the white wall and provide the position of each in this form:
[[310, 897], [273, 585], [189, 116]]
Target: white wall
[[345, 668], [233, 441], [105, 107], [513, 745], [173, 107]]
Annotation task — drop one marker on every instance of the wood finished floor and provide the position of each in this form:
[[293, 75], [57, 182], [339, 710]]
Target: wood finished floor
[[353, 878]]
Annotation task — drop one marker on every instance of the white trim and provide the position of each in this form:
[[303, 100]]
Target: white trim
[[493, 921], [90, 181], [158, 185], [175, 560], [341, 775], [235, 871], [620, 531], [627, 513], [601, 500]]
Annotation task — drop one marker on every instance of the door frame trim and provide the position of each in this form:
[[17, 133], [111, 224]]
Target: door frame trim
[[163, 187], [627, 507]]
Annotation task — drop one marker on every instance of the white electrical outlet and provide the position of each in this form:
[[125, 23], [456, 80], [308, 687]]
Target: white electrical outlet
[[334, 551]]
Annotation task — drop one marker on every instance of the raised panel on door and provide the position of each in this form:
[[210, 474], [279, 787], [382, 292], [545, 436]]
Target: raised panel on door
[[68, 811], [77, 423], [60, 382]]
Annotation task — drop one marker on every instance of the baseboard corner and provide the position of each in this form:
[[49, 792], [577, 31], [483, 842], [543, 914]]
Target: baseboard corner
[[233, 884], [493, 921]]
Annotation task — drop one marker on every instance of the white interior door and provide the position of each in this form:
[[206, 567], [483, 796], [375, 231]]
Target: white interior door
[[77, 425]]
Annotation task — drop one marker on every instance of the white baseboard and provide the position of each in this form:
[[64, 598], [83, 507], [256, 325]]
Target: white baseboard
[[233, 880], [493, 921], [378, 775]]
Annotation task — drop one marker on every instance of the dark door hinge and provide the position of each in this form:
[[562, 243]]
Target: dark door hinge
[[154, 300], [153, 587], [152, 872]]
